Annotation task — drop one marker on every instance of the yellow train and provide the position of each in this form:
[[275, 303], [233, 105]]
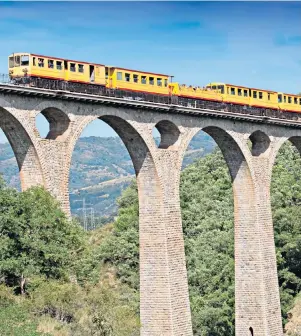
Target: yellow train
[[76, 76]]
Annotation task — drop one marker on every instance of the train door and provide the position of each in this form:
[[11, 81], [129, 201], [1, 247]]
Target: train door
[[66, 72], [92, 73], [280, 101], [108, 77], [280, 98]]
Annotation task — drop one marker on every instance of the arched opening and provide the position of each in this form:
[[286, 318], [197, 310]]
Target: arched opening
[[9, 170], [156, 136], [101, 168], [42, 125], [286, 213], [168, 134], [30, 172], [207, 209], [135, 249], [260, 143], [52, 123]]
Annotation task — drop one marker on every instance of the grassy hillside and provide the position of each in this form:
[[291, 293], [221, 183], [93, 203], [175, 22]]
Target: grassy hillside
[[101, 168]]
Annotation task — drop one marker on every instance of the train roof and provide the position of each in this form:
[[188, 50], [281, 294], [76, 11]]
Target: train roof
[[66, 59], [269, 91], [83, 62], [250, 88], [57, 58], [145, 72]]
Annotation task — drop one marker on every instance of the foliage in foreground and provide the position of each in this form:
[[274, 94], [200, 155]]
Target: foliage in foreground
[[51, 282]]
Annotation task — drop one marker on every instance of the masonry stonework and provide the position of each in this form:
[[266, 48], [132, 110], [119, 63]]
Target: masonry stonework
[[164, 299]]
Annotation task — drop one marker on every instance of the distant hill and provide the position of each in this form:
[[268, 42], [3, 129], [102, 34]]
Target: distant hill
[[101, 168]]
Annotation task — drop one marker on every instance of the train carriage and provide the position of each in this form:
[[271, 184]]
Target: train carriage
[[64, 74], [136, 80], [52, 68]]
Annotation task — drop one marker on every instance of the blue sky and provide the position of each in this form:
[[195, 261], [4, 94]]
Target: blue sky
[[256, 44]]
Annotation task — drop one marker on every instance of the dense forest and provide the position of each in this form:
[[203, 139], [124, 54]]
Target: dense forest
[[56, 279]]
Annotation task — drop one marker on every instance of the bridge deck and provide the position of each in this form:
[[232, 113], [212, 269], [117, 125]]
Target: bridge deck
[[88, 98]]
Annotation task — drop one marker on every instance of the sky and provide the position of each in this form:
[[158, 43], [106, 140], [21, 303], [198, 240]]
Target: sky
[[255, 44]]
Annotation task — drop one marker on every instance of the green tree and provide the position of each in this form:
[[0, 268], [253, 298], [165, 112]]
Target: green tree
[[36, 238], [121, 247]]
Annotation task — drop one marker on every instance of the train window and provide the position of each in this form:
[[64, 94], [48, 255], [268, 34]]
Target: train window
[[17, 61], [299, 101], [260, 95], [34, 61], [24, 60], [269, 96], [81, 68], [159, 81], [214, 87], [255, 94], [165, 82], [135, 78], [279, 98], [58, 65], [221, 87], [295, 100], [245, 93], [119, 75], [239, 92], [143, 79], [72, 67], [50, 64], [151, 80], [232, 91], [11, 62], [41, 62], [289, 100], [127, 77], [284, 99]]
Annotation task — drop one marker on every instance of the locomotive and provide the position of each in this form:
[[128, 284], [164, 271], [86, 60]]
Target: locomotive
[[99, 79]]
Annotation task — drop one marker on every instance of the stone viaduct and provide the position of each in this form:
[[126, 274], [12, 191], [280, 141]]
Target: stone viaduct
[[164, 300]]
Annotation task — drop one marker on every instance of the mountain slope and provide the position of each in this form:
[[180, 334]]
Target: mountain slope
[[95, 162]]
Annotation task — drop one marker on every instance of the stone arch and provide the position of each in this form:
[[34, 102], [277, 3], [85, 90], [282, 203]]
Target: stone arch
[[260, 143], [156, 266], [296, 141], [139, 152], [131, 137], [247, 240], [58, 123], [24, 150], [169, 134], [232, 151]]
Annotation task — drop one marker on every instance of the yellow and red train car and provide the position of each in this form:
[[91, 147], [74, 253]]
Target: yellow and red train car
[[65, 74]]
